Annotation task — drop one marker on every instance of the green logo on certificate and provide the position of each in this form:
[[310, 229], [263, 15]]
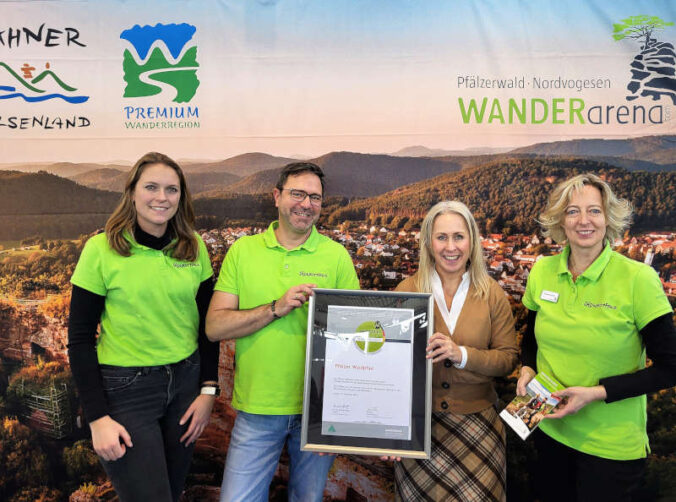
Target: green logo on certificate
[[371, 337]]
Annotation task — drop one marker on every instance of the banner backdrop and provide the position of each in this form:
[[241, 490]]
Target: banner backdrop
[[107, 79], [402, 103]]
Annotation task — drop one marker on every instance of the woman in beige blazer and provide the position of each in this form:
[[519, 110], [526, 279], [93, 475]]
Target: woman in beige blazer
[[474, 341]]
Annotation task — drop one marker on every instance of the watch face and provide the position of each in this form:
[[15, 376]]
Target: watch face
[[211, 391]]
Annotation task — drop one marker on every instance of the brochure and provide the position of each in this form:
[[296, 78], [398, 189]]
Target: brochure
[[524, 413]]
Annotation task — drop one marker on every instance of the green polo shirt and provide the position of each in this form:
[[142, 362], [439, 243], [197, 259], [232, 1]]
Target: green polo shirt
[[591, 331], [150, 315], [270, 363]]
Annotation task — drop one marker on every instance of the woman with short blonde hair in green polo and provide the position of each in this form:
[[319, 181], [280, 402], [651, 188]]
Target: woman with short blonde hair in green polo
[[147, 281], [593, 316]]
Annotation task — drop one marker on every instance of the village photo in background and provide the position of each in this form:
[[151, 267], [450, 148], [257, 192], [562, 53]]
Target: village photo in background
[[402, 104]]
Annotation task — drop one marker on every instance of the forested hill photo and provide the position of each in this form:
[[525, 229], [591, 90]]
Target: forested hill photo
[[660, 149], [657, 149], [104, 178], [241, 165], [44, 193], [63, 169], [365, 175], [353, 174], [113, 179], [52, 207], [356, 174], [229, 209], [506, 196]]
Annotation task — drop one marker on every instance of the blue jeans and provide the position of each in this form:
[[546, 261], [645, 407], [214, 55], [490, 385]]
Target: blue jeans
[[149, 402], [255, 446]]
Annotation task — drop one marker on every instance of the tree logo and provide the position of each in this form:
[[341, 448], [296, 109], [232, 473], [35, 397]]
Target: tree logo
[[36, 88], [370, 337], [164, 59], [653, 70]]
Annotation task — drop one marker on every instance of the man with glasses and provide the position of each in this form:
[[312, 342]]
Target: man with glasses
[[260, 300]]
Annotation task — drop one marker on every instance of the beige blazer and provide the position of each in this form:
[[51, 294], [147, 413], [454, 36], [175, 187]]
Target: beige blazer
[[486, 329]]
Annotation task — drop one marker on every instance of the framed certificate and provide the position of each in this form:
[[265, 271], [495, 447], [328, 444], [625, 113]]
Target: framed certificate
[[367, 380]]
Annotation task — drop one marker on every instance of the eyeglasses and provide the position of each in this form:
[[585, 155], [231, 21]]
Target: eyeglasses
[[300, 195]]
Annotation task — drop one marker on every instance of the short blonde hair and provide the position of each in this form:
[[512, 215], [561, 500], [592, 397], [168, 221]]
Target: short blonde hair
[[477, 267], [617, 211]]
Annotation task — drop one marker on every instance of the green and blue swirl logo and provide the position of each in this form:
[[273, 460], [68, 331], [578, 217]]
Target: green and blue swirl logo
[[162, 59]]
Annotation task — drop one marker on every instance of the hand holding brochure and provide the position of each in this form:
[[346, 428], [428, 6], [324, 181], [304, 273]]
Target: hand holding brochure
[[524, 413]]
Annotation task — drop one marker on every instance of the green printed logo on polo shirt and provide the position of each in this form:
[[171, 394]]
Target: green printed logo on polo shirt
[[370, 338], [313, 274], [599, 305]]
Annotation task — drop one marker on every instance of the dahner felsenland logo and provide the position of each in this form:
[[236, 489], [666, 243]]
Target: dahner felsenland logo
[[33, 88], [653, 70], [162, 61], [32, 81]]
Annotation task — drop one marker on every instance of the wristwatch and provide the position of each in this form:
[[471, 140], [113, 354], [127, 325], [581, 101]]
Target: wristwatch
[[211, 390], [272, 307]]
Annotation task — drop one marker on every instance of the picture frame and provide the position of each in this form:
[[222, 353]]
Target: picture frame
[[368, 383]]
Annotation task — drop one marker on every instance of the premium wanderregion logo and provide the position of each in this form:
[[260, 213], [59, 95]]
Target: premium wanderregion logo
[[162, 62], [31, 83], [652, 76]]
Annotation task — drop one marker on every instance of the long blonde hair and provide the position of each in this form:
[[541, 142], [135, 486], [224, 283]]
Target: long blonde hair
[[477, 267], [617, 211], [181, 225]]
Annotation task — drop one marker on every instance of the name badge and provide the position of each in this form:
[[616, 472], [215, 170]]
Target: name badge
[[549, 296]]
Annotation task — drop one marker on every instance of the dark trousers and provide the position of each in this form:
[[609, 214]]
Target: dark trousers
[[564, 474], [149, 402]]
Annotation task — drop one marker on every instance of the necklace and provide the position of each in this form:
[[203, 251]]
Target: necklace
[[573, 269]]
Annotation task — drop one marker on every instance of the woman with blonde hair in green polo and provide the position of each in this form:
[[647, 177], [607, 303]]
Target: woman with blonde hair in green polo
[[593, 316]]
